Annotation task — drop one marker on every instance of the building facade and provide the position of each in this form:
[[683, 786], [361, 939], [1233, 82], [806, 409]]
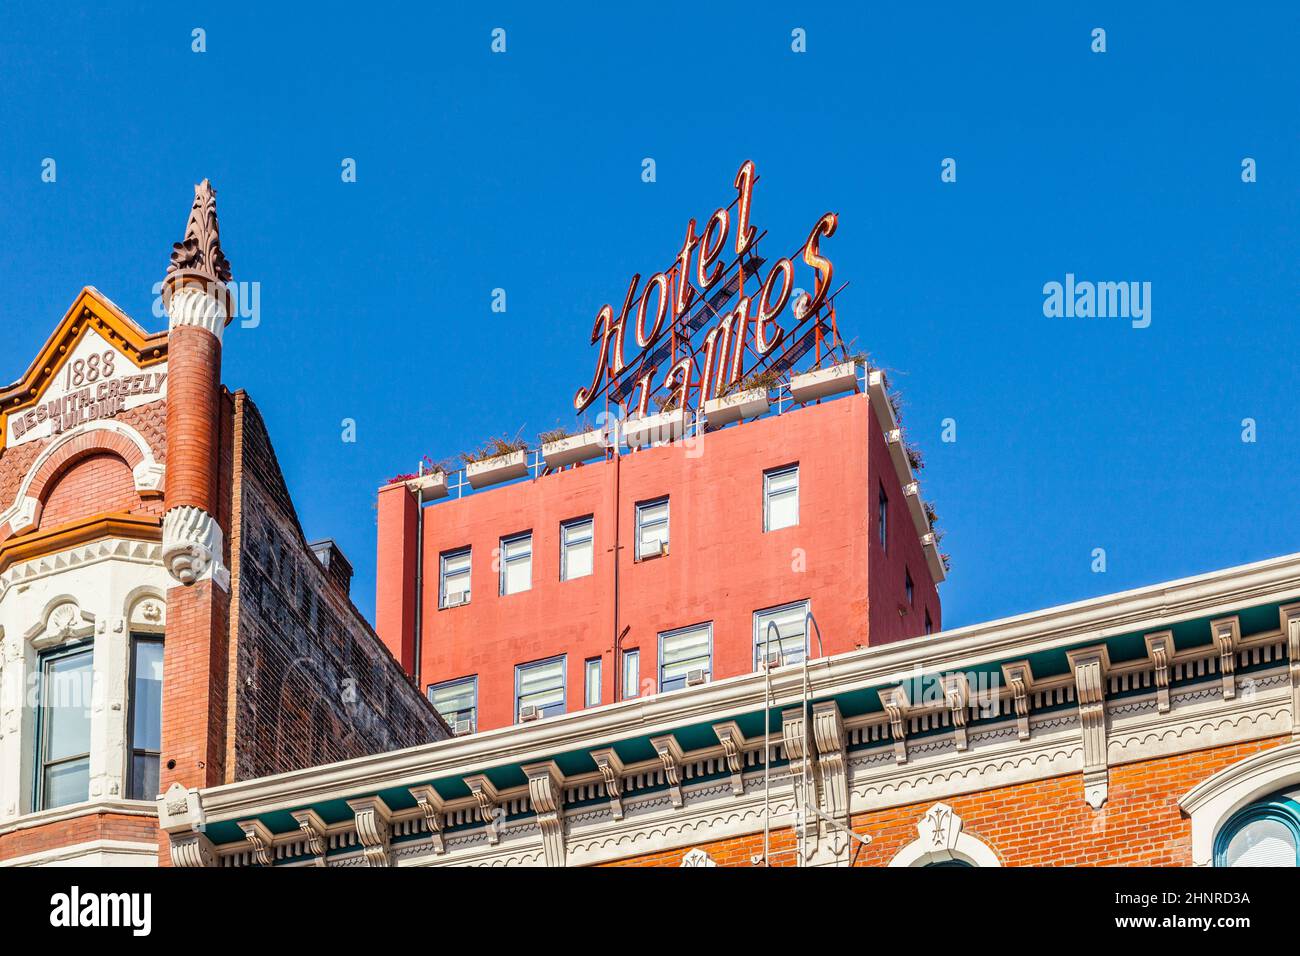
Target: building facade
[[1151, 727], [162, 618], [658, 567]]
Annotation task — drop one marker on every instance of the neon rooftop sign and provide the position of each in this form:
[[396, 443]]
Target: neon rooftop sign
[[713, 285]]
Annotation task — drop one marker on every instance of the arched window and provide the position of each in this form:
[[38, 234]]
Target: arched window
[[1266, 833]]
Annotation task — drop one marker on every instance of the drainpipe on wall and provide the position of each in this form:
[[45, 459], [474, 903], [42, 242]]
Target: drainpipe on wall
[[419, 579]]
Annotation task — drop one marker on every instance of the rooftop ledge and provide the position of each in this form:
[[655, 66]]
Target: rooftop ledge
[[667, 427]]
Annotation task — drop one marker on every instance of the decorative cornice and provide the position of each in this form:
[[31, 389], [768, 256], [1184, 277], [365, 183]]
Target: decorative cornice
[[70, 535], [1012, 639]]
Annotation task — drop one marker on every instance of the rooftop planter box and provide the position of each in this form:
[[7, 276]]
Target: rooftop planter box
[[575, 448], [822, 382], [491, 471], [648, 429], [732, 408], [433, 484]]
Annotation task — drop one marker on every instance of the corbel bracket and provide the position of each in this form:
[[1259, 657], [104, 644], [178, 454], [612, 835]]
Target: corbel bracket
[[670, 755], [733, 749], [373, 822], [1160, 648], [1227, 635], [546, 793], [260, 841], [430, 803], [1020, 678], [485, 794], [956, 695], [1089, 667], [611, 771], [896, 707], [313, 828]]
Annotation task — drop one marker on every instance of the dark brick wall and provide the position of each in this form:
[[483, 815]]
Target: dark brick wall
[[312, 682]]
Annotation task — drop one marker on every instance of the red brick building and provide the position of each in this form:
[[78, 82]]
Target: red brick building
[[801, 511], [162, 618]]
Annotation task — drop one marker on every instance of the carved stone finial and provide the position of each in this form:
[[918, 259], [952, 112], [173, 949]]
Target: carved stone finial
[[199, 254]]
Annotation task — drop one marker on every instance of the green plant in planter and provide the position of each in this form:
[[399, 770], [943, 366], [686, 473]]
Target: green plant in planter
[[495, 448]]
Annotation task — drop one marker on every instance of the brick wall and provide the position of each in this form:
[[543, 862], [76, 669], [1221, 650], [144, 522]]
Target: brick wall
[[313, 682], [1043, 823], [83, 829], [96, 484]]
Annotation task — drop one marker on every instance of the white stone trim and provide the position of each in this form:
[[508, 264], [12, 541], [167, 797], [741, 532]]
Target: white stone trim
[[96, 853], [1211, 802], [941, 839], [193, 547], [201, 306]]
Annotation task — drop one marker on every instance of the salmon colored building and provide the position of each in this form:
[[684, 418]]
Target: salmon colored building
[[805, 510]]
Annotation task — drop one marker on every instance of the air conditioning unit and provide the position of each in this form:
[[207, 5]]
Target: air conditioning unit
[[696, 677], [462, 726], [457, 598], [655, 549], [774, 657], [528, 712]]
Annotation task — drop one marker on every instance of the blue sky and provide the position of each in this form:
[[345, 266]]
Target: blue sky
[[522, 171]]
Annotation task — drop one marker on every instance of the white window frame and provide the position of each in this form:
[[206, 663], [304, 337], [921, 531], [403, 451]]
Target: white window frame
[[677, 631], [562, 659], [759, 634], [592, 667], [565, 544], [769, 495], [443, 558], [666, 521], [505, 562], [631, 654], [473, 710]]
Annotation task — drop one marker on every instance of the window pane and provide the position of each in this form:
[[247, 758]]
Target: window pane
[[790, 630], [66, 783], [1262, 843], [593, 683], [453, 697], [682, 652], [782, 510], [576, 550], [631, 674], [455, 575], [144, 776], [146, 702], [66, 701], [542, 686], [651, 528]]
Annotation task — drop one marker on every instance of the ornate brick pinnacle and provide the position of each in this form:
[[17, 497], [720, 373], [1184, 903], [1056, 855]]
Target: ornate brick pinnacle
[[199, 254]]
